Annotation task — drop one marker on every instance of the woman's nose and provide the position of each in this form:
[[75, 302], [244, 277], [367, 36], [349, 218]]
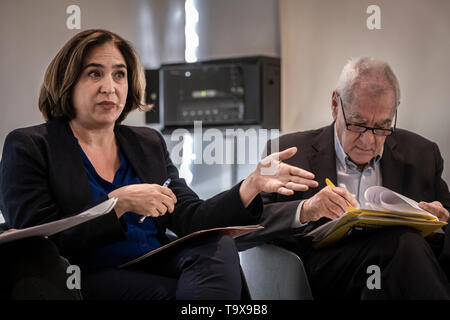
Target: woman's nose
[[107, 85]]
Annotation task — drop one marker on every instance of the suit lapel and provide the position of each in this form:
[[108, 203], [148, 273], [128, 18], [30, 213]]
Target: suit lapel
[[67, 173], [145, 156], [392, 166], [147, 161], [323, 159]]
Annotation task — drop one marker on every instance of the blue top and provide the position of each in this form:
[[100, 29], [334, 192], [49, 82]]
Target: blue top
[[141, 237]]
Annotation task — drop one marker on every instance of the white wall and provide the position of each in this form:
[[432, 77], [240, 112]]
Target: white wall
[[318, 37], [231, 28]]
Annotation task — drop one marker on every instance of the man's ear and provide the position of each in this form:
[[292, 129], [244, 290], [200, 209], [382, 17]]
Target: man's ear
[[334, 104]]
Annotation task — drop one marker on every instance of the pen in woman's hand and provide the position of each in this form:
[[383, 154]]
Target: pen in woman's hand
[[165, 184]]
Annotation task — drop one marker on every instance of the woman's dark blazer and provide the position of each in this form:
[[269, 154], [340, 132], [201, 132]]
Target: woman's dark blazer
[[43, 179]]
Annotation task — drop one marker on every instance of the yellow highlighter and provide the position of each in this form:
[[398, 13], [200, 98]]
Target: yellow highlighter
[[329, 183]]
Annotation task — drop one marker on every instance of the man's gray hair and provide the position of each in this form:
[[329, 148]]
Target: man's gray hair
[[359, 70]]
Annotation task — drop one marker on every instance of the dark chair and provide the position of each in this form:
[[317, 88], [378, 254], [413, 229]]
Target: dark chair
[[66, 263], [274, 273]]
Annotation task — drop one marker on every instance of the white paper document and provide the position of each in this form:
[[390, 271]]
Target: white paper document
[[387, 204], [381, 198], [48, 229]]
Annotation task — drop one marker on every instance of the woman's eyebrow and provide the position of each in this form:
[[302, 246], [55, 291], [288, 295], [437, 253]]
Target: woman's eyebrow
[[99, 65], [119, 66]]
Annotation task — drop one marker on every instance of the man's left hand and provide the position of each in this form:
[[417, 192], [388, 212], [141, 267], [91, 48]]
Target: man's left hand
[[435, 208]]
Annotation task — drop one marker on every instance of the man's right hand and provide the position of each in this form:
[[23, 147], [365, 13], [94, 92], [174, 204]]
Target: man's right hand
[[330, 202]]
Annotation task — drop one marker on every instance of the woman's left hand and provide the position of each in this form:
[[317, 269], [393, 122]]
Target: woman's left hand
[[272, 175]]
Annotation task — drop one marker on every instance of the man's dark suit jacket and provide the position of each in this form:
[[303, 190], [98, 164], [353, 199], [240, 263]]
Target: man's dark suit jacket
[[43, 179], [410, 165]]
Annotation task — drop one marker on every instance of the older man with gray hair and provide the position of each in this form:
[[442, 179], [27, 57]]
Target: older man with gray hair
[[360, 149]]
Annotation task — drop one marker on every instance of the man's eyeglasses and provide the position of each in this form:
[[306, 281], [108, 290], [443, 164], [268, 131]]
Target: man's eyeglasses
[[361, 129]]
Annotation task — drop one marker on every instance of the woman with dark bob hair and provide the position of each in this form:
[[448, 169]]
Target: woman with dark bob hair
[[83, 155]]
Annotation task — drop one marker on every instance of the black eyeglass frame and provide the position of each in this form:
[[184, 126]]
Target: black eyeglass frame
[[362, 129]]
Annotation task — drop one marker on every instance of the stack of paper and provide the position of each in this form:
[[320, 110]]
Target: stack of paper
[[383, 208], [54, 227]]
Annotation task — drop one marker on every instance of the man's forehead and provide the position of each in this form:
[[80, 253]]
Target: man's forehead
[[379, 109], [373, 88], [364, 94]]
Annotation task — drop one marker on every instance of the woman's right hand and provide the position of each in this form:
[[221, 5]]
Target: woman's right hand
[[144, 199]]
